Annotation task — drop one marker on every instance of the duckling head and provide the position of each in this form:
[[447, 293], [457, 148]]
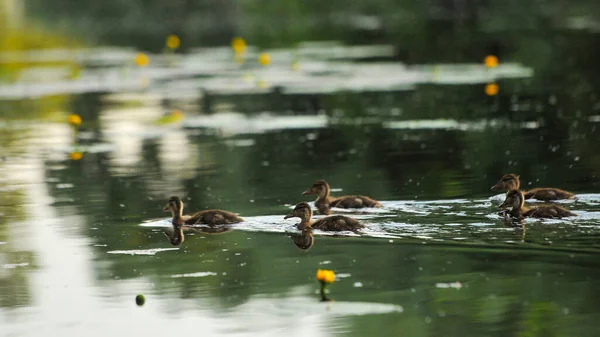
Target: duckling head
[[302, 211], [507, 182], [175, 205], [320, 188], [514, 199]]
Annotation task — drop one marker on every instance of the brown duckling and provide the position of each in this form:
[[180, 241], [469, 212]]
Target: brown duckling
[[324, 202], [330, 223], [511, 182], [516, 200], [208, 217]]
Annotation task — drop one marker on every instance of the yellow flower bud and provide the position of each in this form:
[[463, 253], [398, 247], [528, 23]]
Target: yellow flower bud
[[491, 89], [491, 61], [264, 59], [75, 155], [142, 59], [74, 119], [325, 276], [173, 42], [238, 45]]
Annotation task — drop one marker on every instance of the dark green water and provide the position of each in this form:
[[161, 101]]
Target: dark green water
[[79, 239]]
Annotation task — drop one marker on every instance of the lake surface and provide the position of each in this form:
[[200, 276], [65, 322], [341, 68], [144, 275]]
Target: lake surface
[[82, 220]]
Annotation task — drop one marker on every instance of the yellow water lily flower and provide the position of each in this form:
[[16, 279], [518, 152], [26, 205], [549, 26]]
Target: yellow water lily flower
[[142, 59], [491, 61], [74, 119], [238, 45], [75, 155], [264, 59], [173, 42], [325, 276], [491, 89]]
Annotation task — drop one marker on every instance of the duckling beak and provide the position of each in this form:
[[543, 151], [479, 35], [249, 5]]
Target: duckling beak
[[307, 192], [495, 187], [166, 207], [291, 215]]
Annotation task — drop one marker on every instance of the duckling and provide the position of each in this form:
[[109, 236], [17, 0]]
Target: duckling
[[511, 182], [331, 223], [324, 202], [516, 200], [208, 217]]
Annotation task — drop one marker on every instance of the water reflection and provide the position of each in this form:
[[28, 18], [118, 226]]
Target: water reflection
[[303, 240], [175, 234]]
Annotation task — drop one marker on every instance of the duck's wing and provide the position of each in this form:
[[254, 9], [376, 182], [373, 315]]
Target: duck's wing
[[337, 223], [354, 201], [563, 212], [214, 217], [535, 213], [548, 194], [549, 211]]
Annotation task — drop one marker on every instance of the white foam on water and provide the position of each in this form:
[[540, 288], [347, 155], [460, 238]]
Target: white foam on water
[[456, 285], [232, 123], [198, 274], [157, 223], [151, 251], [15, 265]]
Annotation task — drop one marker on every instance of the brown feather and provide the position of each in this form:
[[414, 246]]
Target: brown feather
[[337, 223], [546, 193], [548, 211], [213, 217], [354, 201]]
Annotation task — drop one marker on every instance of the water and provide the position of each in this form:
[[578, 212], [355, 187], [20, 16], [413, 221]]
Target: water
[[81, 237]]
